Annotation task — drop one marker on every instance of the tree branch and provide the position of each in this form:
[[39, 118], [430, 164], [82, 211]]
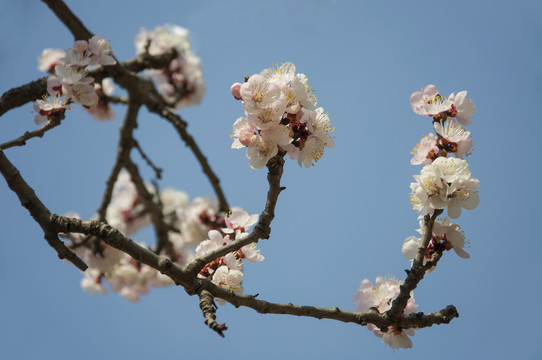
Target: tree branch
[[23, 94], [72, 22], [54, 121], [157, 170], [34, 90], [37, 210], [155, 211], [415, 320], [417, 271], [180, 125], [193, 286], [208, 308], [123, 153], [262, 229], [118, 240]]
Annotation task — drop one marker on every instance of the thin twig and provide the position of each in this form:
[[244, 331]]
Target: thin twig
[[180, 125], [417, 271], [123, 153], [157, 170], [72, 22], [155, 211], [54, 121], [118, 240], [262, 229]]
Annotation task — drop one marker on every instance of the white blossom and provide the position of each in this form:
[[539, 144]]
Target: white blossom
[[447, 182], [258, 93], [429, 102], [101, 51], [228, 279], [381, 296], [463, 108], [49, 58]]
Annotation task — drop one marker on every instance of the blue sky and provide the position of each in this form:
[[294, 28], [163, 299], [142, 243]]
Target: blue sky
[[337, 223]]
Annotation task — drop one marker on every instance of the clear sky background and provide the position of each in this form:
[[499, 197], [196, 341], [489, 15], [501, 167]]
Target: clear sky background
[[337, 223]]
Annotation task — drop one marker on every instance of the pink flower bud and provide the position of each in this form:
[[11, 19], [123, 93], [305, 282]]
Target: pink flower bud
[[245, 137], [236, 91]]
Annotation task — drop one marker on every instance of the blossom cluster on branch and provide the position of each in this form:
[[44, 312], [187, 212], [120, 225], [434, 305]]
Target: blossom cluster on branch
[[181, 82], [70, 83], [444, 183], [197, 224], [201, 244], [379, 296], [280, 115]]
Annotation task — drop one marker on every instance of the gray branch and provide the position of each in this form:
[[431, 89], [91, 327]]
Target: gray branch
[[37, 210]]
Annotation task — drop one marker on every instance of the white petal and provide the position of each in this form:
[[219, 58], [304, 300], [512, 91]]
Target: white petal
[[462, 253], [472, 201], [410, 247], [454, 209]]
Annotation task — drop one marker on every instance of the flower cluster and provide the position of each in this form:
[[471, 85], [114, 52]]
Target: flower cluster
[[280, 115], [445, 236], [70, 83], [125, 275], [190, 224], [227, 271], [429, 102], [381, 296], [197, 223], [181, 82], [444, 182]]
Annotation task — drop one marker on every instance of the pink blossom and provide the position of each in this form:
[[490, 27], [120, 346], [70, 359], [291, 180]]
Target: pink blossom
[[429, 102], [54, 85], [106, 260], [268, 117], [228, 279], [125, 212], [70, 75], [450, 236], [454, 138], [194, 223], [426, 150], [446, 182], [76, 86], [239, 221], [82, 94], [258, 93], [381, 296], [181, 83], [243, 131], [314, 139], [102, 110], [48, 106], [78, 55], [265, 145], [50, 58], [92, 282], [463, 108], [101, 51], [302, 91]]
